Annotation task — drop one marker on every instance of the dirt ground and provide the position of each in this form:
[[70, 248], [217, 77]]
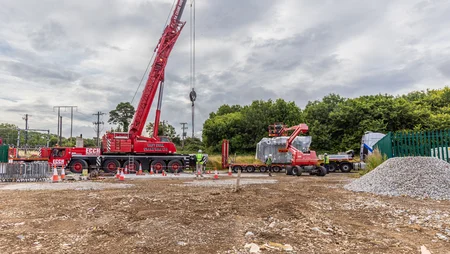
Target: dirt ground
[[311, 214]]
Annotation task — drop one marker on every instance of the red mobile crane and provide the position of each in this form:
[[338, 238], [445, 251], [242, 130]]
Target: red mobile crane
[[120, 149], [301, 161]]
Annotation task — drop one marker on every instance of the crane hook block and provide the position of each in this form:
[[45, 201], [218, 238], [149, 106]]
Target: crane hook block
[[193, 95]]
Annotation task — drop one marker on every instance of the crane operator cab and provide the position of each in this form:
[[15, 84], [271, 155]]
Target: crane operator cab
[[58, 152]]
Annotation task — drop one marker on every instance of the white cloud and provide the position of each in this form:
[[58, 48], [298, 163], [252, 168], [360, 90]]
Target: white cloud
[[92, 54]]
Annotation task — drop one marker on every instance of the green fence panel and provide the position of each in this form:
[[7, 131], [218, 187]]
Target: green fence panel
[[446, 134], [4, 153], [416, 143]]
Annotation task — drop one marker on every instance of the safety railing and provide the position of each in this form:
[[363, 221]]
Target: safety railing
[[24, 172]]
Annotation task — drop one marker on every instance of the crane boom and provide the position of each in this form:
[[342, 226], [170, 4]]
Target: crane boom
[[156, 75]]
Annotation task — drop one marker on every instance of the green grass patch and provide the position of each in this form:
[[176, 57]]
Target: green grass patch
[[216, 160], [373, 161]]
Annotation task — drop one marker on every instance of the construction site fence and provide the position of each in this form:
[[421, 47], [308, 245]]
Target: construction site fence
[[416, 143], [24, 172]]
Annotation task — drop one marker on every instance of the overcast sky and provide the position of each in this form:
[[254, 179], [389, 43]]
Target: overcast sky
[[92, 54]]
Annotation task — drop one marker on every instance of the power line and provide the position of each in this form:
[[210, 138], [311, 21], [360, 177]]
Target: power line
[[26, 128], [71, 118], [60, 131]]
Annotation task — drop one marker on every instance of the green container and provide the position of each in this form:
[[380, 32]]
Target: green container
[[4, 153]]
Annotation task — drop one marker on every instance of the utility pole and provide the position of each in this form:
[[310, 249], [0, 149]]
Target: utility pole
[[71, 117], [98, 114], [183, 134], [71, 122], [60, 131], [26, 128]]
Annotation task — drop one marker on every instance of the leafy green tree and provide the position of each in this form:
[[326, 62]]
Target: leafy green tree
[[246, 126], [122, 115], [164, 129], [192, 145], [225, 109], [8, 133], [89, 142]]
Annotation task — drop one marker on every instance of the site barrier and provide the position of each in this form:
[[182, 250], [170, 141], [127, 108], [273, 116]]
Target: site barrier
[[24, 172], [416, 143]]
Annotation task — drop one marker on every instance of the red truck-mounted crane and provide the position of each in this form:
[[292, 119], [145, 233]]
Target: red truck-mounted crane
[[120, 149], [302, 161]]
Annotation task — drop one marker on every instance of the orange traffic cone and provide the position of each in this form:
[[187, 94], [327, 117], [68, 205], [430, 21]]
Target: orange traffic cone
[[229, 171], [122, 176], [118, 173], [55, 178], [140, 170], [216, 175], [151, 171], [126, 169], [63, 173]]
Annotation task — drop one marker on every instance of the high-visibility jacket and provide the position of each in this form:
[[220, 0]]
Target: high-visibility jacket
[[326, 160], [269, 161], [199, 157]]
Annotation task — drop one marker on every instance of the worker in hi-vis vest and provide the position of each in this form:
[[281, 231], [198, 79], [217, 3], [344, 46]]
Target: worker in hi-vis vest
[[326, 162], [269, 164], [199, 163]]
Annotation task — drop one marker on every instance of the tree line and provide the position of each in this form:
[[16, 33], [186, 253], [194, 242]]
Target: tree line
[[335, 123]]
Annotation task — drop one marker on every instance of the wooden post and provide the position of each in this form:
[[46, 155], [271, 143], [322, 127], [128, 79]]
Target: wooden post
[[238, 180]]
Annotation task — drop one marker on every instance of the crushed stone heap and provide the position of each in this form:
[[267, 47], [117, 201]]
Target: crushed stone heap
[[418, 177]]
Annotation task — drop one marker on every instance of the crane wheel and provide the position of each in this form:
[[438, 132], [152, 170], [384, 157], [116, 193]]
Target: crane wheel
[[77, 166], [111, 166], [175, 166], [158, 166], [296, 171], [289, 170], [321, 171], [132, 166]]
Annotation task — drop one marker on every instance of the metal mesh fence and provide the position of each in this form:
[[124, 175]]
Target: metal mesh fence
[[24, 172]]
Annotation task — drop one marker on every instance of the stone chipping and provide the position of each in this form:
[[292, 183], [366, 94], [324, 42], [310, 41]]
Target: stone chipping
[[418, 177]]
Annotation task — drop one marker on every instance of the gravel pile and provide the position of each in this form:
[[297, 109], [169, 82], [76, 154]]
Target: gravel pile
[[419, 177]]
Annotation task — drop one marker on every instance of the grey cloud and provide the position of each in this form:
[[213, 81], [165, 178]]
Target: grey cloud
[[38, 73], [112, 47], [310, 49], [445, 69], [49, 37]]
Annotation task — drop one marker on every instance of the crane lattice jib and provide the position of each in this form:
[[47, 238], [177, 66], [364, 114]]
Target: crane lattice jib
[[156, 75]]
